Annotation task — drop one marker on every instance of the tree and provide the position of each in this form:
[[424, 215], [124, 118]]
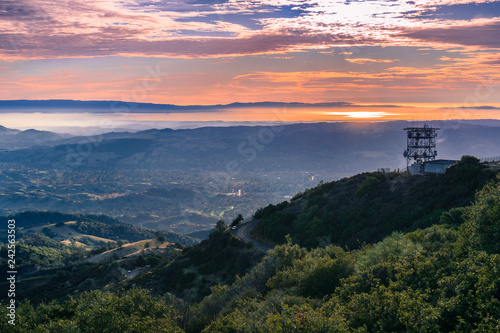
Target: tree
[[237, 220], [221, 226], [481, 229], [132, 311]]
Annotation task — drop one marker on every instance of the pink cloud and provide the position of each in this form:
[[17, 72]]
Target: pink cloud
[[106, 42], [363, 61]]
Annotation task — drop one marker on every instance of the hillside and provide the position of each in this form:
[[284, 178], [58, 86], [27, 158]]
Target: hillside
[[53, 270], [100, 228], [67, 234], [430, 264], [370, 206], [38, 218], [217, 260], [79, 252]]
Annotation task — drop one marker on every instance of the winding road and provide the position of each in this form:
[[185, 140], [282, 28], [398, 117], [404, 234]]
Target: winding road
[[242, 232]]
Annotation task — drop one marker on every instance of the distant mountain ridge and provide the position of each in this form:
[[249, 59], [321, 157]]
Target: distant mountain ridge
[[5, 130], [60, 105], [15, 139], [343, 148]]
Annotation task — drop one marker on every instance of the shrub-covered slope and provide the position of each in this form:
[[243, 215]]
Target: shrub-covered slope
[[367, 207], [216, 260]]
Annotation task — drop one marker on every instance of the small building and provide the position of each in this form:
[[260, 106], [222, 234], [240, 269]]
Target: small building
[[436, 166]]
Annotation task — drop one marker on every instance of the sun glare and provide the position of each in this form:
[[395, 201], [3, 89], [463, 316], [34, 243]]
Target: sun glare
[[361, 114]]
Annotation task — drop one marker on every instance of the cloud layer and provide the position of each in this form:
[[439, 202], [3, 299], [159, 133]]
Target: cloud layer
[[237, 50], [81, 28]]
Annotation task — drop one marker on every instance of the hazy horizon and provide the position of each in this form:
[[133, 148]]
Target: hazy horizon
[[70, 120]]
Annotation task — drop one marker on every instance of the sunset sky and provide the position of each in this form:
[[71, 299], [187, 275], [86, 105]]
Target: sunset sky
[[422, 55]]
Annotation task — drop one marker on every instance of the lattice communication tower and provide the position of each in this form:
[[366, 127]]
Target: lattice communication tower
[[421, 144]]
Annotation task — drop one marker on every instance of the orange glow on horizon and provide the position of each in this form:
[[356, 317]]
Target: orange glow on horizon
[[413, 112]]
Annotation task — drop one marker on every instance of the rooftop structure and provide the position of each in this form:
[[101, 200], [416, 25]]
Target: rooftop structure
[[436, 166]]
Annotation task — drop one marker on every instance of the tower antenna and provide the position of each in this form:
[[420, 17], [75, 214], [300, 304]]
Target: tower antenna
[[420, 145]]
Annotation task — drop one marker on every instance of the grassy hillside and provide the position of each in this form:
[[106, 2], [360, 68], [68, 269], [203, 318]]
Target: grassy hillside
[[367, 207], [37, 218], [51, 270]]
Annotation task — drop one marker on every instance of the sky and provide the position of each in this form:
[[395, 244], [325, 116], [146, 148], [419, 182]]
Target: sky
[[422, 55]]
